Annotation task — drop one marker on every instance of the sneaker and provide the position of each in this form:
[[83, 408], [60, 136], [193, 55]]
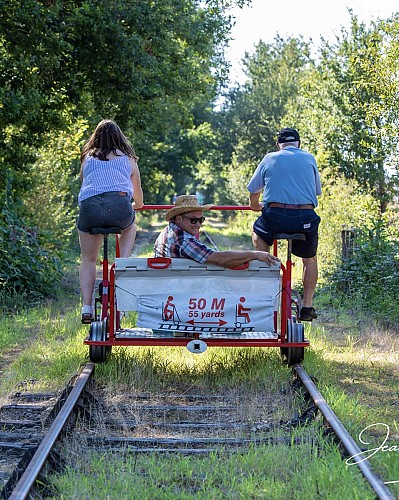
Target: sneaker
[[87, 314], [307, 314]]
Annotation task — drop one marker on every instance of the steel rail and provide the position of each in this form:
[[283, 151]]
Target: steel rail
[[27, 480], [349, 444]]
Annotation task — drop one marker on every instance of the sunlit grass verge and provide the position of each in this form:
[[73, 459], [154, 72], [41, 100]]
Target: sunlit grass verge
[[16, 329], [307, 470], [147, 219], [50, 344], [362, 364], [357, 375]]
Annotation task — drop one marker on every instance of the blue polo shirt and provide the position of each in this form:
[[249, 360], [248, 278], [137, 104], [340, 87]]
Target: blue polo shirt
[[289, 175]]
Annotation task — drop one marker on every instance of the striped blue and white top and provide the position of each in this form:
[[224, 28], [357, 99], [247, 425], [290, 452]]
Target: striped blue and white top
[[104, 176]]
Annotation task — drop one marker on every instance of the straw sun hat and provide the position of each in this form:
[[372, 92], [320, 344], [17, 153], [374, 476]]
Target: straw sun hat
[[185, 203]]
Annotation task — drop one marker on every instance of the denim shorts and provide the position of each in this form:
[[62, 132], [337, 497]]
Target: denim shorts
[[288, 220], [105, 210]]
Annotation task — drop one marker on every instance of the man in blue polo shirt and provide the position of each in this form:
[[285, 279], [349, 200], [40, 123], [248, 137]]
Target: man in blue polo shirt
[[290, 182]]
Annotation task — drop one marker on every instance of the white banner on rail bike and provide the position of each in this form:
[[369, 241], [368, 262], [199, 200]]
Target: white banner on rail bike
[[222, 312]]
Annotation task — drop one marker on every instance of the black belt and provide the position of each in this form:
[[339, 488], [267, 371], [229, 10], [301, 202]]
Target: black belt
[[286, 205]]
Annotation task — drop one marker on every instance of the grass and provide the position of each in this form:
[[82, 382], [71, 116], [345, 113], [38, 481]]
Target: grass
[[158, 368], [356, 374], [308, 470], [41, 347], [46, 350], [278, 472], [356, 371]]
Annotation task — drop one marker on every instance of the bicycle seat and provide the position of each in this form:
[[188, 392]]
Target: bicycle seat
[[105, 230], [286, 236]]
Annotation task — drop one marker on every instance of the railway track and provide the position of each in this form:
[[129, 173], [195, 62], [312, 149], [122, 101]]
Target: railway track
[[332, 420], [26, 427], [199, 423]]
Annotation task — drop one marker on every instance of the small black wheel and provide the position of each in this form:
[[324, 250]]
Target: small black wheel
[[295, 333], [98, 353]]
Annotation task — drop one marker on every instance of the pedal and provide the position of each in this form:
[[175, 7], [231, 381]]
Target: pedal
[[87, 319], [188, 335]]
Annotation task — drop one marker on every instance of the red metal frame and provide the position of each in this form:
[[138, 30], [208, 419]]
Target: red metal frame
[[105, 290], [109, 306], [183, 341], [112, 306]]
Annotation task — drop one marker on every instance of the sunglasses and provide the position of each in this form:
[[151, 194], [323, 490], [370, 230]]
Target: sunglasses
[[194, 220]]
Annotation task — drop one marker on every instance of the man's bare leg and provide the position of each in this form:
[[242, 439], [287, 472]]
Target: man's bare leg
[[260, 244], [309, 279]]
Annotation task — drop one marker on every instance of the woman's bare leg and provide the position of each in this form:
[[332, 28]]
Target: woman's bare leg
[[90, 245], [126, 240]]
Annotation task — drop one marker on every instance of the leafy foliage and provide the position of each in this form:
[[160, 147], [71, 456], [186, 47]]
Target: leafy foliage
[[134, 61], [26, 266], [345, 106], [52, 200], [158, 75], [370, 276], [365, 92], [66, 64], [254, 113], [342, 206]]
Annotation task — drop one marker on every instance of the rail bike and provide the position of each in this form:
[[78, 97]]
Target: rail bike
[[179, 302]]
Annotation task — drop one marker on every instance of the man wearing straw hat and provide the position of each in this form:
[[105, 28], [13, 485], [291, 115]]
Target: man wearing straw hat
[[179, 238]]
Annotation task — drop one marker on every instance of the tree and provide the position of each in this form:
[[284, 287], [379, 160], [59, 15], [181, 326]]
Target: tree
[[253, 114], [65, 64], [135, 61], [365, 89]]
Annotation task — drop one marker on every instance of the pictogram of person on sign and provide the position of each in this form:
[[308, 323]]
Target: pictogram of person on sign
[[242, 311], [169, 309]]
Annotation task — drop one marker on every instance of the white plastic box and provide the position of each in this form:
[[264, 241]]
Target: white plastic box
[[187, 296]]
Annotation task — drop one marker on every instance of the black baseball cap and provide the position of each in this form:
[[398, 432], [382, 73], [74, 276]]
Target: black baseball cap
[[288, 135]]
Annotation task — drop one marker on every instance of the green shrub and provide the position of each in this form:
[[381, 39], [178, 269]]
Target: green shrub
[[371, 276], [54, 185], [26, 267]]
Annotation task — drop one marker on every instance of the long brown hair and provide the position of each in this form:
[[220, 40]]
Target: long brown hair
[[107, 137]]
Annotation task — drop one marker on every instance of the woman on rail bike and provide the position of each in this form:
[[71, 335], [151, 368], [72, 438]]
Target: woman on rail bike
[[110, 179]]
